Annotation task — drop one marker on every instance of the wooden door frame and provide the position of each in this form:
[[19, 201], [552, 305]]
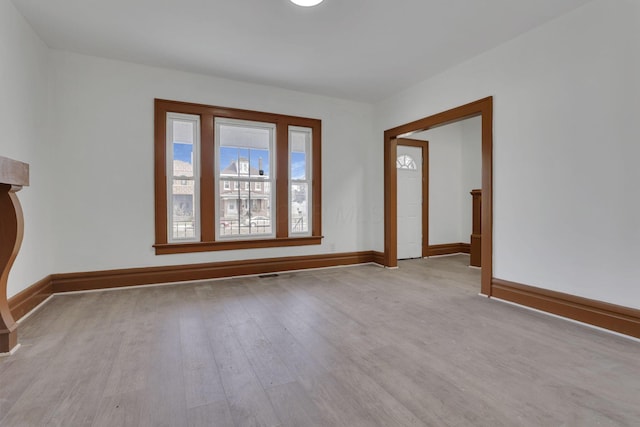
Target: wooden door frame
[[425, 189], [483, 108]]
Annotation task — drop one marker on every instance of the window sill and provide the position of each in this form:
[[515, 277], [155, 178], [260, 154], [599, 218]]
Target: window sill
[[181, 248]]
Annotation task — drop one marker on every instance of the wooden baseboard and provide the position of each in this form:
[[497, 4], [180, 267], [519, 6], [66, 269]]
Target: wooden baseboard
[[609, 316], [179, 273], [378, 257], [449, 249], [28, 299]]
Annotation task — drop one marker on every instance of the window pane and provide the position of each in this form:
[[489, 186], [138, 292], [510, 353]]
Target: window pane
[[182, 145], [181, 167], [183, 131], [299, 208], [182, 148], [244, 151], [299, 145], [299, 179], [241, 162], [245, 212], [183, 226]]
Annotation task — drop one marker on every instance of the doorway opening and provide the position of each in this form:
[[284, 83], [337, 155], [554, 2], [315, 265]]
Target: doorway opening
[[482, 108]]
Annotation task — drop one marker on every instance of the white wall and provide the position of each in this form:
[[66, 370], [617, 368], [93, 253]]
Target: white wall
[[566, 102], [445, 172], [471, 173], [24, 136], [103, 135], [455, 168]]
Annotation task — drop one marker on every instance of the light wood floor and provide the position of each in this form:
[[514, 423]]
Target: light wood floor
[[357, 346]]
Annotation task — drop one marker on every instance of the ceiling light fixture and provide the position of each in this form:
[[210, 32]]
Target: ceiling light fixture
[[306, 3]]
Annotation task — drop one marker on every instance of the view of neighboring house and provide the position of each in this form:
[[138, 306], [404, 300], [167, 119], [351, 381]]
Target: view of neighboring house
[[183, 190], [245, 200], [183, 200], [243, 194]]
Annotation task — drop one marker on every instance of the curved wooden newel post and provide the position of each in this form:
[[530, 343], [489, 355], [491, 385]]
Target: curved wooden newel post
[[13, 176]]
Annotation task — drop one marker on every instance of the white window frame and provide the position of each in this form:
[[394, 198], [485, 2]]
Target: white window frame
[[195, 122], [308, 179], [272, 176]]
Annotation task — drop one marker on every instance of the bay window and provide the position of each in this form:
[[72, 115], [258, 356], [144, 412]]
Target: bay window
[[234, 179]]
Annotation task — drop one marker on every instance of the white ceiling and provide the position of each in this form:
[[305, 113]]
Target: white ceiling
[[364, 50]]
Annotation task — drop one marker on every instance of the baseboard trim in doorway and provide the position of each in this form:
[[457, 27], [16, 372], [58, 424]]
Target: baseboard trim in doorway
[[612, 317], [449, 249], [378, 257]]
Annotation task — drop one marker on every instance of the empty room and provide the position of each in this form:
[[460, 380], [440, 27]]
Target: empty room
[[319, 213]]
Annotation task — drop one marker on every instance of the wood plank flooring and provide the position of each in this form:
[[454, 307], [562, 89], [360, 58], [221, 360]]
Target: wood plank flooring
[[357, 346]]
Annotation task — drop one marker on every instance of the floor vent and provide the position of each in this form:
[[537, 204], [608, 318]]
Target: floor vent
[[266, 276]]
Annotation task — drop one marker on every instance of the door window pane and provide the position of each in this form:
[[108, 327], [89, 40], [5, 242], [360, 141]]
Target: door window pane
[[404, 161]]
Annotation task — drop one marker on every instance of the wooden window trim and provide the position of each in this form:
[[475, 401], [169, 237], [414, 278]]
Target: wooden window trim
[[208, 192]]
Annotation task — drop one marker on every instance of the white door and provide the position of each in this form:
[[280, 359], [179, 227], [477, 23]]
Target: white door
[[409, 166]]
